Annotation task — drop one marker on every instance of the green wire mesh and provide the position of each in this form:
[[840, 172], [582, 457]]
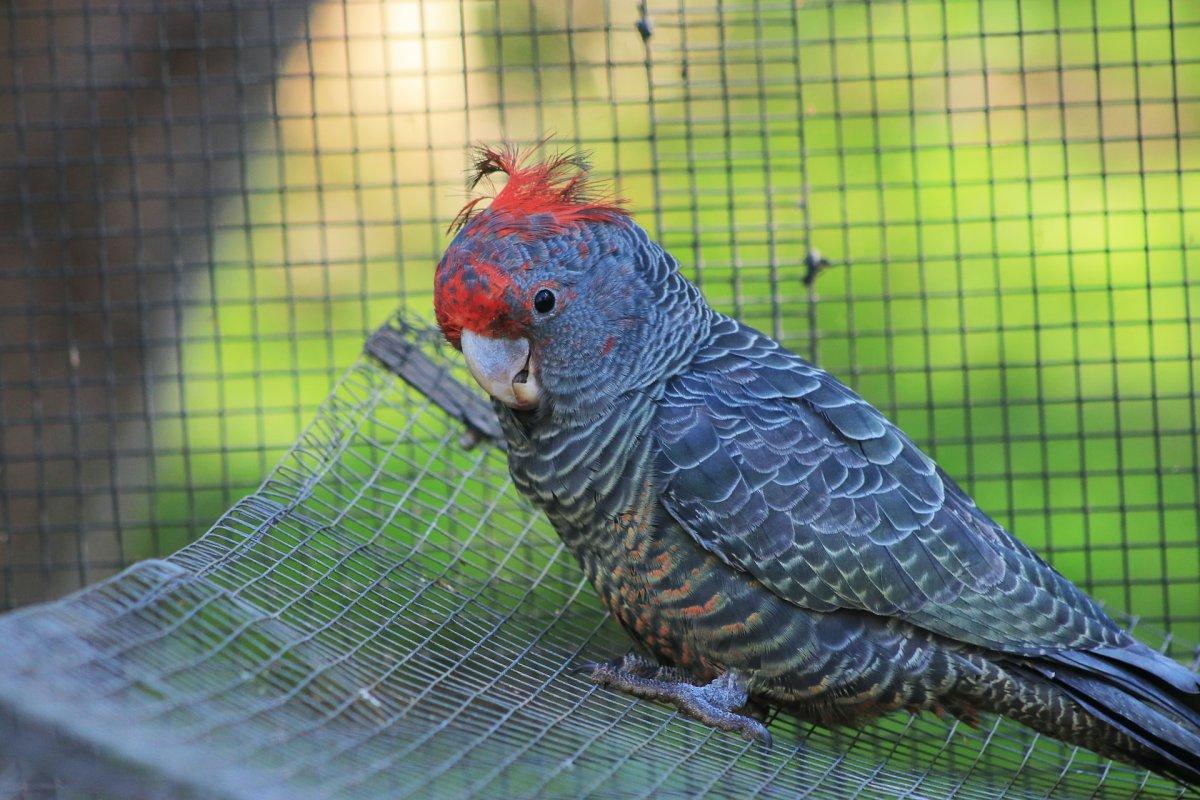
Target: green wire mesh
[[386, 617]]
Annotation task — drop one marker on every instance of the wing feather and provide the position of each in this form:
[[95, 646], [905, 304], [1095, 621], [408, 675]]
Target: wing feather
[[788, 475]]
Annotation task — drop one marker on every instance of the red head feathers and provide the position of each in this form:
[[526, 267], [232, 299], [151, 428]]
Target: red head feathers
[[483, 282], [558, 186]]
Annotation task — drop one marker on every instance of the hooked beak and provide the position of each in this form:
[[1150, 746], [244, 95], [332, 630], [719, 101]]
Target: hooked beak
[[504, 368]]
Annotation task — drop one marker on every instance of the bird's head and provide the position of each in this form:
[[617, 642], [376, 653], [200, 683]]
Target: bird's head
[[551, 292]]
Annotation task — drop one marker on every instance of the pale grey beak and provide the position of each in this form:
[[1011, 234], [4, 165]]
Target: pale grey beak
[[504, 368]]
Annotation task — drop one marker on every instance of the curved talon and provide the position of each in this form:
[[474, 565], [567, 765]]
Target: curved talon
[[757, 732], [765, 738]]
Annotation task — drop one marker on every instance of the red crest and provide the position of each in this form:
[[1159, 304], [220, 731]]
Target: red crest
[[559, 186]]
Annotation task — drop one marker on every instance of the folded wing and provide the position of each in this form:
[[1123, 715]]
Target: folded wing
[[788, 475]]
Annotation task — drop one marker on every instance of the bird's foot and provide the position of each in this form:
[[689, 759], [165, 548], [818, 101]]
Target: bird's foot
[[716, 704], [638, 665]]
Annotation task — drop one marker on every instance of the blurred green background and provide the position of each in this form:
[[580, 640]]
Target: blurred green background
[[1008, 194]]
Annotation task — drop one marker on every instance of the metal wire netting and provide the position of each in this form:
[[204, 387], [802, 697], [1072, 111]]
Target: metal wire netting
[[983, 215], [385, 618]]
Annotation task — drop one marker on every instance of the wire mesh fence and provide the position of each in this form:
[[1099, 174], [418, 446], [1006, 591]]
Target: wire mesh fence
[[982, 215], [385, 618]]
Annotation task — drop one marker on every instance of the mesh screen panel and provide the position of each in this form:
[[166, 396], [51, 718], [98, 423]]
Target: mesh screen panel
[[385, 618], [981, 215]]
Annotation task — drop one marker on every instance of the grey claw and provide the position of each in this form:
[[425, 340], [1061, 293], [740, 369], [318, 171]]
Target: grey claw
[[758, 733]]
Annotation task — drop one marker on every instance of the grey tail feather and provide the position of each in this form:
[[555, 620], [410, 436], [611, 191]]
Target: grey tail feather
[[1144, 707]]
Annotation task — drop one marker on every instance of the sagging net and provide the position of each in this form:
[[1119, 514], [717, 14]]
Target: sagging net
[[386, 617]]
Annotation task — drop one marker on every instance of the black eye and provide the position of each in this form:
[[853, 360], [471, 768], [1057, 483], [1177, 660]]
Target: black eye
[[543, 301]]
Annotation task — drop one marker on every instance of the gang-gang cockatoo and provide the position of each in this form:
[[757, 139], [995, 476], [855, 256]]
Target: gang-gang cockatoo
[[765, 535]]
